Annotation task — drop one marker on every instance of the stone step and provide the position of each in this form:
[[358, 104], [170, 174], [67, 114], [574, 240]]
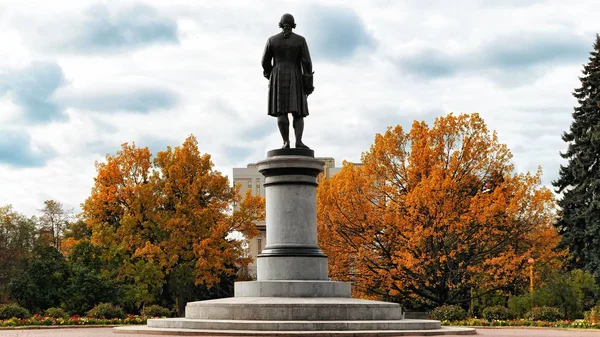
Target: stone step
[[293, 288], [207, 324], [293, 309], [453, 331]]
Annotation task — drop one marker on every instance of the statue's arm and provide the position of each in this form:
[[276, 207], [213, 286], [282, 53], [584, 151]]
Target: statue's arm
[[266, 60], [307, 72], [306, 61]]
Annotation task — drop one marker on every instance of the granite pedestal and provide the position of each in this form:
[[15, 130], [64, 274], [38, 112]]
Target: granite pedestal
[[292, 294]]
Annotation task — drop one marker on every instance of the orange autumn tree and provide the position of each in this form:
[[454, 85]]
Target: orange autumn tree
[[435, 215], [165, 224]]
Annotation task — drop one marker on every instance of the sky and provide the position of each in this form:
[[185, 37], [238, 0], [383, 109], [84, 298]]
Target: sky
[[80, 78]]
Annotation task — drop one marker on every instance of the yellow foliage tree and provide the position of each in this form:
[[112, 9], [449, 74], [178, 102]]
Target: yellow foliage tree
[[152, 216], [434, 214]]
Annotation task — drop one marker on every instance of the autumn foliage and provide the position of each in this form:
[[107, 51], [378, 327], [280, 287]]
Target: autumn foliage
[[167, 218], [435, 215]]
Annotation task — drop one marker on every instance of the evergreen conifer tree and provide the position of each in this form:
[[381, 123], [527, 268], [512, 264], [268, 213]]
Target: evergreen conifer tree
[[579, 180]]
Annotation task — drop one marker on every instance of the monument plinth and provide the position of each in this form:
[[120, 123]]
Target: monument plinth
[[291, 264], [291, 252]]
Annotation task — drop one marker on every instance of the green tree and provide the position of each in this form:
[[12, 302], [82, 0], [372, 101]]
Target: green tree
[[579, 180], [86, 285], [77, 230], [17, 237], [572, 292], [42, 283]]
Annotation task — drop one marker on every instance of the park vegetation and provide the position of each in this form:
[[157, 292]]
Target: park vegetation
[[435, 218], [155, 231]]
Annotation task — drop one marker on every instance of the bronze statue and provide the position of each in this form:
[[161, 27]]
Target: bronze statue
[[286, 63]]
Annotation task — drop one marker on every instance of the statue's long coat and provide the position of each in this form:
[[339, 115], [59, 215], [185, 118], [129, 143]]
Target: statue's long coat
[[284, 61]]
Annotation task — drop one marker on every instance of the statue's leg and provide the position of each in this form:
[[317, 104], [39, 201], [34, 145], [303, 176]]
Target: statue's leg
[[298, 130], [283, 123]]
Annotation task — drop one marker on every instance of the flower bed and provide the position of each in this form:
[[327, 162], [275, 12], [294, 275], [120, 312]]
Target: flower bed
[[577, 324], [37, 320]]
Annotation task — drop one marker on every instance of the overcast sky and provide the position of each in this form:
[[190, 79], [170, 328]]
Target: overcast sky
[[79, 78]]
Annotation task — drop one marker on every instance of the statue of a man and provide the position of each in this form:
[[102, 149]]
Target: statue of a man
[[286, 63]]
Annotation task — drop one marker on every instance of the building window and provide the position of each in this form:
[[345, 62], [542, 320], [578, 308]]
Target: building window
[[250, 184], [258, 186], [259, 245]]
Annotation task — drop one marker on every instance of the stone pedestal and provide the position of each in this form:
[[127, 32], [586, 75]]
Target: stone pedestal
[[293, 294], [292, 252]]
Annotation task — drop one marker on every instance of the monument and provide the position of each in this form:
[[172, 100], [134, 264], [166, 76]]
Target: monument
[[292, 292]]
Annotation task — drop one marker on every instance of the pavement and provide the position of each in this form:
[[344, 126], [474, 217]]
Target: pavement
[[102, 332]]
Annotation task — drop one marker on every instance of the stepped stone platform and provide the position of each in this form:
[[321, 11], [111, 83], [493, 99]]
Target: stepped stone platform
[[293, 296], [294, 316]]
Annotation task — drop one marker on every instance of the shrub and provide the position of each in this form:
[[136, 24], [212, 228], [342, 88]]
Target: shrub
[[56, 313], [519, 305], [497, 312], [448, 313], [156, 311], [548, 314], [593, 316], [106, 310], [8, 311]]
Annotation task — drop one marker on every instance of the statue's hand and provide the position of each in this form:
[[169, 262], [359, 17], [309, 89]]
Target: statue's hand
[[307, 82]]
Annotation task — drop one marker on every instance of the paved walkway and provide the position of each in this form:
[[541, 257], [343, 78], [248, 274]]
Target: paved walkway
[[101, 332]]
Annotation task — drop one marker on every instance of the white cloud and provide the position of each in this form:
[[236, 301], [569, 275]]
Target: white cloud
[[187, 67]]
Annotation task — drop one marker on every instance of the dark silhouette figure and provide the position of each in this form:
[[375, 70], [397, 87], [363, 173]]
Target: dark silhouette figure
[[286, 63]]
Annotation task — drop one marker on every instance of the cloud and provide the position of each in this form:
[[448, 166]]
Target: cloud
[[526, 50], [430, 63], [128, 28], [259, 131], [336, 33], [222, 107], [104, 29], [236, 154], [137, 95], [32, 88], [509, 3], [16, 150], [520, 54]]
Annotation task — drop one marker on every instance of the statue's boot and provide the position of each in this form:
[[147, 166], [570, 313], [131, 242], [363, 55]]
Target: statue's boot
[[300, 145], [286, 145]]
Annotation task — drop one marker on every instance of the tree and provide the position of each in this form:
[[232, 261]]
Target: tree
[[579, 180], [43, 282], [55, 219], [86, 285], [435, 216], [17, 238], [194, 210], [75, 233], [173, 212]]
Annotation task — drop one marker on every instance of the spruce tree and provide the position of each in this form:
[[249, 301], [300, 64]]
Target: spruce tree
[[579, 180]]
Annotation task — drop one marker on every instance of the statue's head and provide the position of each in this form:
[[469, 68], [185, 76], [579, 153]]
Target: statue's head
[[287, 23]]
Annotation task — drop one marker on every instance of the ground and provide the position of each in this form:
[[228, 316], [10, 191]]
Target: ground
[[101, 332]]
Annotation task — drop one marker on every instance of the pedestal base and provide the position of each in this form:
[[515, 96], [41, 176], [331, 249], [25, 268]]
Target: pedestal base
[[291, 268], [297, 288], [293, 309]]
